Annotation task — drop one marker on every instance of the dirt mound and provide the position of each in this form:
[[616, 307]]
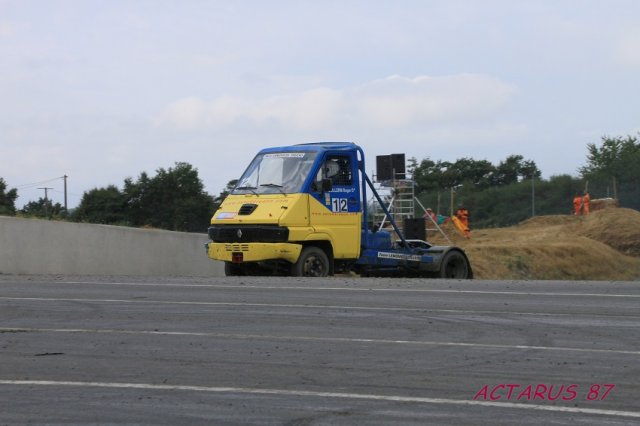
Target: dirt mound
[[602, 246], [583, 260], [618, 228], [551, 220]]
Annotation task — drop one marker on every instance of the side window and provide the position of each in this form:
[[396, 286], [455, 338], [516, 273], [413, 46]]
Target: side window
[[338, 169]]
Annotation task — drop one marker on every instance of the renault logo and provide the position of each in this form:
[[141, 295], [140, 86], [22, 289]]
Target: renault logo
[[239, 233]]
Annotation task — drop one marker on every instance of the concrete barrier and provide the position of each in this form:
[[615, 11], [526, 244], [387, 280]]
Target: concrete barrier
[[32, 246]]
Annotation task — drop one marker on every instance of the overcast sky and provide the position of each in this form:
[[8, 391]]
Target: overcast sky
[[103, 90]]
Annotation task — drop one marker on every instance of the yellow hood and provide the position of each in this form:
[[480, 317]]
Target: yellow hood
[[277, 209]]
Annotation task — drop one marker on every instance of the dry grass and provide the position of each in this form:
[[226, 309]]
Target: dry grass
[[602, 246]]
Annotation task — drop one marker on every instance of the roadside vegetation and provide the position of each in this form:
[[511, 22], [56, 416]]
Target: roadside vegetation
[[605, 245]]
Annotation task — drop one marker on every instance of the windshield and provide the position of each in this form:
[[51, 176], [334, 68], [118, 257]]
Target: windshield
[[276, 172]]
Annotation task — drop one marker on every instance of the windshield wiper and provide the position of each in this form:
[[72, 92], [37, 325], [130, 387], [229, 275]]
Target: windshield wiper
[[274, 185], [247, 188]]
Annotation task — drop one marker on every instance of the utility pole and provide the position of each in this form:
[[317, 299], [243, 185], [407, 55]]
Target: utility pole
[[46, 200], [533, 196], [451, 202], [66, 210], [46, 189]]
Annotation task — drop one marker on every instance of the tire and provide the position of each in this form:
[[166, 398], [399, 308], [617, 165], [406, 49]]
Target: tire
[[313, 262], [455, 266]]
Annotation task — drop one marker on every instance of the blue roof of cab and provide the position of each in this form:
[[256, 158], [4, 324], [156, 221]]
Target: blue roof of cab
[[314, 146]]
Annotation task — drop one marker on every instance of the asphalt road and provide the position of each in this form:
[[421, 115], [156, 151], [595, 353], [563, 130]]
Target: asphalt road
[[124, 350]]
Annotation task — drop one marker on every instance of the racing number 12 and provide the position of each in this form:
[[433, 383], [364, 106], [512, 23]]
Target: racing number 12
[[339, 205]]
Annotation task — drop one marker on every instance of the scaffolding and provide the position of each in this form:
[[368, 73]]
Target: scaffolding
[[398, 198]]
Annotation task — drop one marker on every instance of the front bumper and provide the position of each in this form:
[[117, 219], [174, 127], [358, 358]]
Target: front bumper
[[254, 252]]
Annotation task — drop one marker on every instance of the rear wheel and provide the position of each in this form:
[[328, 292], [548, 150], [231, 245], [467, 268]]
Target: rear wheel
[[313, 262], [455, 265]]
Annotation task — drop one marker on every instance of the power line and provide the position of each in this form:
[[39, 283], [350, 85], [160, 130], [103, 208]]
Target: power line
[[46, 189], [74, 194], [32, 184]]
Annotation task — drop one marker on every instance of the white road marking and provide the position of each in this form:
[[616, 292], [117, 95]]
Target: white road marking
[[400, 290], [297, 306], [316, 339], [337, 395]]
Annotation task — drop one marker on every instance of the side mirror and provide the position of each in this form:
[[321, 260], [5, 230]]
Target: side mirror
[[326, 185]]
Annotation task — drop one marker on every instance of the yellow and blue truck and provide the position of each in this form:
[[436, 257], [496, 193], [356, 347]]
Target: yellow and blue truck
[[302, 210]]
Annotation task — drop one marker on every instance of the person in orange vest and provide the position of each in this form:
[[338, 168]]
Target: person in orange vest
[[463, 216], [577, 204], [586, 203]]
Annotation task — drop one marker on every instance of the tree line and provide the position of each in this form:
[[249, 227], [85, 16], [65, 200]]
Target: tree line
[[512, 191], [432, 175], [173, 199], [496, 195]]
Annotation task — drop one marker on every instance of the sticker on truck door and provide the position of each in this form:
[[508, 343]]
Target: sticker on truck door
[[339, 205]]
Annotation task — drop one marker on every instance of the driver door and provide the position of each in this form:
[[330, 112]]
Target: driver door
[[337, 211]]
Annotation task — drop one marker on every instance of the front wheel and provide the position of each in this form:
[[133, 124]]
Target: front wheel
[[455, 265], [313, 262]]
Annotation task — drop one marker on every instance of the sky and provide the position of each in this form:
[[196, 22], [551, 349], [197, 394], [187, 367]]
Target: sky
[[102, 90]]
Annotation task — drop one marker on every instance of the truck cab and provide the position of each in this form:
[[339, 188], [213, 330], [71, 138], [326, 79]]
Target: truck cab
[[301, 210]]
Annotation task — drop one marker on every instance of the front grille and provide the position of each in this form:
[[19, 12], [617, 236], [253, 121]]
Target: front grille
[[236, 247], [248, 234]]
